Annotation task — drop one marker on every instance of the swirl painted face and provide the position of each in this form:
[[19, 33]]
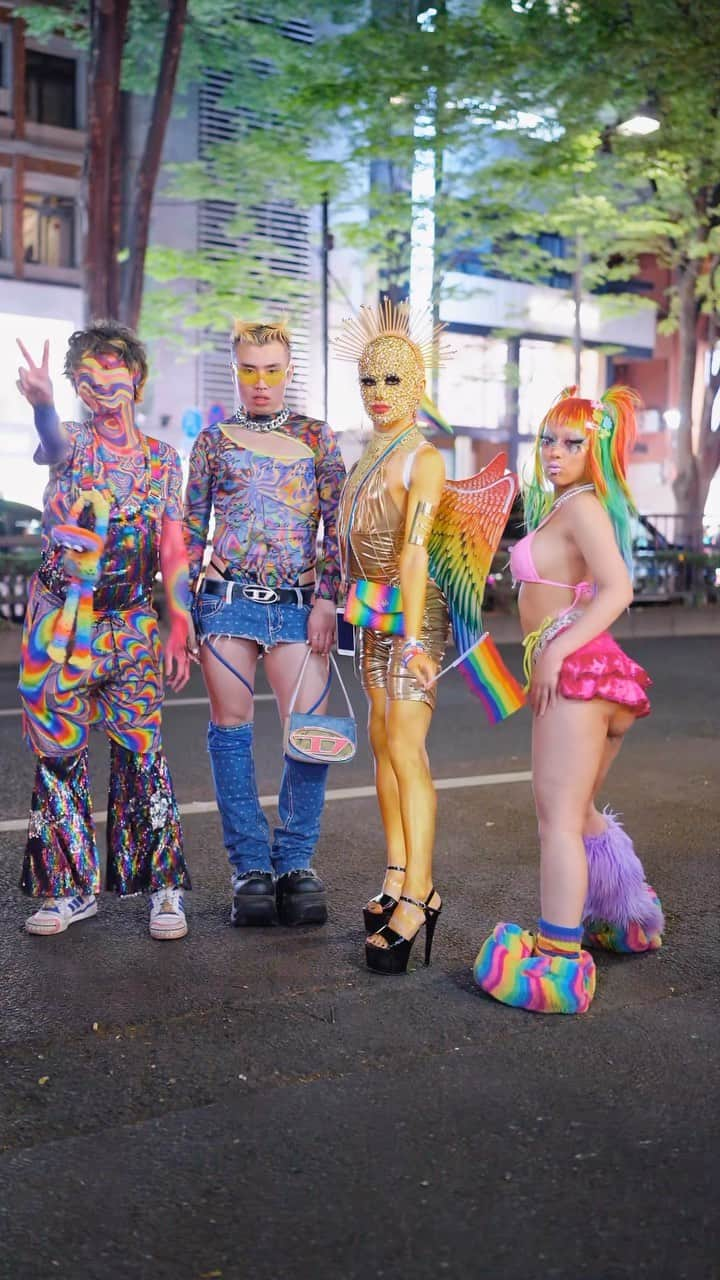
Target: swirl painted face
[[104, 383], [392, 381]]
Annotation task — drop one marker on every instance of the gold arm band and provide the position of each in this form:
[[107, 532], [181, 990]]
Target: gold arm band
[[422, 523]]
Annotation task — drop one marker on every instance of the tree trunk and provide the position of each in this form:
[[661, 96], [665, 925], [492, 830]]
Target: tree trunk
[[709, 444], [108, 25], [146, 178], [686, 483]]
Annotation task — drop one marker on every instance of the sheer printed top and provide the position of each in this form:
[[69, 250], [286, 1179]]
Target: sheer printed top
[[267, 509], [373, 545]]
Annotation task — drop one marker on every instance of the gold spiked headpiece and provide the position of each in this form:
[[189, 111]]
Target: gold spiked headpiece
[[393, 320]]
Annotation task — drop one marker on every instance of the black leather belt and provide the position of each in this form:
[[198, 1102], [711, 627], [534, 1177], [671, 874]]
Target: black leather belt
[[257, 592]]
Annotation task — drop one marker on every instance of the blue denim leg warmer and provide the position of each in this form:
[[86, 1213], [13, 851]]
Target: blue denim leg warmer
[[245, 828], [301, 800]]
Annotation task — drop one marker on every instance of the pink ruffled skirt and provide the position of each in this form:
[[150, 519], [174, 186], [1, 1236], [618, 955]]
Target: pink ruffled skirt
[[600, 669]]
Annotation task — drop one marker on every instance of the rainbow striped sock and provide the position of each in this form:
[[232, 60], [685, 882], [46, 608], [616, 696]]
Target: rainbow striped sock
[[557, 940]]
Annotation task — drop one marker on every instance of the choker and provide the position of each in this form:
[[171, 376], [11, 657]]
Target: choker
[[243, 419], [570, 493]]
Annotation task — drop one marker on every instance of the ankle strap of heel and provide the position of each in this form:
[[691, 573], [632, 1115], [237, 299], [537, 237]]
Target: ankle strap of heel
[[416, 902]]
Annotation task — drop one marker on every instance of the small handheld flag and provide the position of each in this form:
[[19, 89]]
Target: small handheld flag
[[429, 412], [487, 677]]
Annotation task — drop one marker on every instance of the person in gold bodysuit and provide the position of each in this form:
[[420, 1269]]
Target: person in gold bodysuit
[[385, 520]]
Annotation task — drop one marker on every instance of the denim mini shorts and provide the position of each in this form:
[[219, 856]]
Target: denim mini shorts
[[267, 624]]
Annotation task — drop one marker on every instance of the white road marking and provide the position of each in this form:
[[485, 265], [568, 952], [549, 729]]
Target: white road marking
[[337, 793]]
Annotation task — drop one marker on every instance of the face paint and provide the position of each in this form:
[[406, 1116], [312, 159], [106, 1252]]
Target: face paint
[[563, 453], [391, 380], [104, 383]]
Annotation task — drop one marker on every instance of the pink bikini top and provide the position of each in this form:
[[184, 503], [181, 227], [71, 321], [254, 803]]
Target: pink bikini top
[[522, 567]]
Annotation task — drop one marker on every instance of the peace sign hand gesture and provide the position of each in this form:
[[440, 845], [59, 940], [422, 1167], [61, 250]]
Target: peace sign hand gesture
[[34, 382]]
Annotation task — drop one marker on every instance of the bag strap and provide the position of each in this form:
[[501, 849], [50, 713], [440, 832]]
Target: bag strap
[[356, 497], [300, 678]]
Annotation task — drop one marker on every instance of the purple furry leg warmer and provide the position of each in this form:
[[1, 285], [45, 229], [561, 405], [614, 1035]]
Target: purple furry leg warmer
[[617, 890]]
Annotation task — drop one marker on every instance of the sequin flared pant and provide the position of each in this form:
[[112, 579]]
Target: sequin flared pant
[[122, 691]]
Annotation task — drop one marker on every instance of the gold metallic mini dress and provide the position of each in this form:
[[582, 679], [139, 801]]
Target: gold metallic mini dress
[[373, 551]]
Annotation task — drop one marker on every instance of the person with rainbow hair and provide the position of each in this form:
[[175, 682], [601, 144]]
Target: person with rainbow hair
[[574, 567], [91, 650]]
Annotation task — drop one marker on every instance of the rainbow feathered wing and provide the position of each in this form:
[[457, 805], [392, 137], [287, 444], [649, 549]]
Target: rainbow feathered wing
[[465, 536]]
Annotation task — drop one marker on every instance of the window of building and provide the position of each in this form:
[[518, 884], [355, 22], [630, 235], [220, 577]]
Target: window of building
[[49, 229], [5, 99], [471, 386], [545, 368], [50, 89]]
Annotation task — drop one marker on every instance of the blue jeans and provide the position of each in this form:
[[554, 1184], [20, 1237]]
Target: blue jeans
[[302, 787], [267, 624], [245, 828]]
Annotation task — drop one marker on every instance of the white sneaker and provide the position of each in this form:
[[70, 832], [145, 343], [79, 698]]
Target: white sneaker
[[167, 914], [56, 914]]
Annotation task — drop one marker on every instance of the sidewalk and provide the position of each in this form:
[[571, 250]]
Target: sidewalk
[[642, 621]]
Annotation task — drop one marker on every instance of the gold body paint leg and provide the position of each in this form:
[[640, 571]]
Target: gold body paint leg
[[407, 728], [388, 794]]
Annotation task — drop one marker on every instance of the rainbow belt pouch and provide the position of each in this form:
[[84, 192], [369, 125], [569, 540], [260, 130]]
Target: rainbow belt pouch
[[375, 605]]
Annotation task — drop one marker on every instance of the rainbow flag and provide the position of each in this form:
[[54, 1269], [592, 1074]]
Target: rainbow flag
[[487, 677], [432, 415]]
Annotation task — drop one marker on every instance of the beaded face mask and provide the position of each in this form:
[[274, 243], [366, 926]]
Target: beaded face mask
[[393, 346], [391, 380]]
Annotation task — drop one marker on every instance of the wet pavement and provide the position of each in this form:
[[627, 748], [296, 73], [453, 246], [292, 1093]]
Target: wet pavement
[[254, 1103]]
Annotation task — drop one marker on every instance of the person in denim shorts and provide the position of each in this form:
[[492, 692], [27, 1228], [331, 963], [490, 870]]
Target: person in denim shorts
[[268, 475]]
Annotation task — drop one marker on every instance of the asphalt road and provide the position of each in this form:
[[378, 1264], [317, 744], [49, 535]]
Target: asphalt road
[[255, 1104]]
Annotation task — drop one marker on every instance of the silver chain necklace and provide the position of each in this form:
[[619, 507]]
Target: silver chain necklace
[[243, 419], [570, 493]]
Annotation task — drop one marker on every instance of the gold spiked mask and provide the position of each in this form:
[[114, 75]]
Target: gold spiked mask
[[391, 380], [393, 345]]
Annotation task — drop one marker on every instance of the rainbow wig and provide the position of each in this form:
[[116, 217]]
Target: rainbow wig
[[611, 425]]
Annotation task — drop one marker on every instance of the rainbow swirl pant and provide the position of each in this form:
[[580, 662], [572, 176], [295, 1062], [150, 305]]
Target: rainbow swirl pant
[[122, 691]]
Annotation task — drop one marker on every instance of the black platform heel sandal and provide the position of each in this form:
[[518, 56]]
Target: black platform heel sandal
[[375, 920], [394, 957]]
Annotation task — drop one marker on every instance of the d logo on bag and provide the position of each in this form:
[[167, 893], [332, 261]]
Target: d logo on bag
[[322, 743]]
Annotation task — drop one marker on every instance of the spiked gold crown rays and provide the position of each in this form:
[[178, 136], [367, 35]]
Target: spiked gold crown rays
[[392, 320]]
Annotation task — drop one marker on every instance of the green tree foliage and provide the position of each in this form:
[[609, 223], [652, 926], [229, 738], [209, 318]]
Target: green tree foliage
[[519, 103]]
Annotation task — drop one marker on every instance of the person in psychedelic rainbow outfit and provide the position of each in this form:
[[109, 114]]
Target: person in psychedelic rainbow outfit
[[409, 555], [91, 651], [269, 475], [574, 567]]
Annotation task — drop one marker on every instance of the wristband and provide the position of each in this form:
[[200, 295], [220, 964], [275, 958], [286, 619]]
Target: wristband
[[411, 648]]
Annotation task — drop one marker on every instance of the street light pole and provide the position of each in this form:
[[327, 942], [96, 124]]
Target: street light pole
[[325, 295], [577, 305]]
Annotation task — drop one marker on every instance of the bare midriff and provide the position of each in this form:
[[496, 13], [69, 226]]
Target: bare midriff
[[537, 602]]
